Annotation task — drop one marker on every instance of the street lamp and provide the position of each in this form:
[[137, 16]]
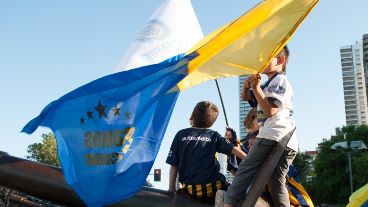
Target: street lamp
[[354, 145]]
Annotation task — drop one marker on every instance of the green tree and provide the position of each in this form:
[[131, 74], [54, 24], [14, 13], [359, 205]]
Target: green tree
[[302, 166], [45, 152], [331, 182]]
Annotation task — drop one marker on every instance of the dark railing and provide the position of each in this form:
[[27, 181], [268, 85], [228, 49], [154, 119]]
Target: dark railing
[[47, 182]]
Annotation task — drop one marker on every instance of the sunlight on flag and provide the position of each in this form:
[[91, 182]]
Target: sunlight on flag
[[109, 131], [172, 30]]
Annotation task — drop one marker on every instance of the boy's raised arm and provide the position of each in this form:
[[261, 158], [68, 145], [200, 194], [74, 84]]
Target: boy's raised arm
[[172, 178], [268, 108]]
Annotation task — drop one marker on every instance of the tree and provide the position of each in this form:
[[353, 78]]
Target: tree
[[331, 181], [302, 166], [45, 152]]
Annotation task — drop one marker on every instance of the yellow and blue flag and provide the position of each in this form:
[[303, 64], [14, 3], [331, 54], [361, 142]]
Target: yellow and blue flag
[[247, 44], [109, 131], [359, 198], [297, 194]]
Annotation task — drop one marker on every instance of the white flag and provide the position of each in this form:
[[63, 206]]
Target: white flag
[[172, 29]]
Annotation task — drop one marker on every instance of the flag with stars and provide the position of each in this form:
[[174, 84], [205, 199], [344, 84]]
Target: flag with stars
[[109, 131]]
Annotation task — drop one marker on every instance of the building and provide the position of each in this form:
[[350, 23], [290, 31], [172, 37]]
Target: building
[[313, 155], [365, 58], [244, 108], [354, 59]]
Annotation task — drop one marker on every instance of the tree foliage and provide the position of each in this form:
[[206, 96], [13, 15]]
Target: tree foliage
[[302, 166], [331, 183], [45, 152]]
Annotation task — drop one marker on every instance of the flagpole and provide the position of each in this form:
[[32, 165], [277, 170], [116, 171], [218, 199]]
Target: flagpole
[[222, 102]]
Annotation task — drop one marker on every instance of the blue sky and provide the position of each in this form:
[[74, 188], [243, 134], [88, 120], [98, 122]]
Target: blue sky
[[48, 48]]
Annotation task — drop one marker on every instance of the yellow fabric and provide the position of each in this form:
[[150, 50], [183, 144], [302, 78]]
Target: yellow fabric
[[209, 189], [358, 198], [301, 190], [292, 199], [199, 190], [190, 189], [218, 185], [246, 45]]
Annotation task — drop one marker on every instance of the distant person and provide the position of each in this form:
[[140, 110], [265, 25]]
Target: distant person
[[252, 127], [275, 114], [232, 160], [192, 154]]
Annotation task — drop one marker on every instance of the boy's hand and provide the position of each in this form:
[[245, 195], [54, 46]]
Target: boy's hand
[[255, 80], [246, 84], [245, 94]]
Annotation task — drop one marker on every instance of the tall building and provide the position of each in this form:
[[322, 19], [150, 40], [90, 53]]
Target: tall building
[[354, 65], [244, 108], [365, 59]]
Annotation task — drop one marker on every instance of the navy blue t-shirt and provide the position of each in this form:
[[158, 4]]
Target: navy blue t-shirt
[[193, 153]]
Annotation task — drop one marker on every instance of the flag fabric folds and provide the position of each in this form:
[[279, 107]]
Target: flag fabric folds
[[297, 194], [109, 131], [172, 29], [246, 45], [359, 198]]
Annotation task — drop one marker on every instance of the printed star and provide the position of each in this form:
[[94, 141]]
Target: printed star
[[127, 115], [101, 109], [116, 111], [82, 120], [90, 114]]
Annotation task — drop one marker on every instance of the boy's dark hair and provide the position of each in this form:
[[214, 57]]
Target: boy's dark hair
[[204, 114], [286, 52], [248, 121], [234, 138]]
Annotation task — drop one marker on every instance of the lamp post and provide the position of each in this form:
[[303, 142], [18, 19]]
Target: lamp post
[[354, 145]]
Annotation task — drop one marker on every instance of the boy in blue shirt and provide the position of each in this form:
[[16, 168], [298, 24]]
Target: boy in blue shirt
[[193, 151]]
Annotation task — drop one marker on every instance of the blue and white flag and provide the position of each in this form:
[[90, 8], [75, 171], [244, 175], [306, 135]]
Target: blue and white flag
[[109, 131], [171, 30]]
